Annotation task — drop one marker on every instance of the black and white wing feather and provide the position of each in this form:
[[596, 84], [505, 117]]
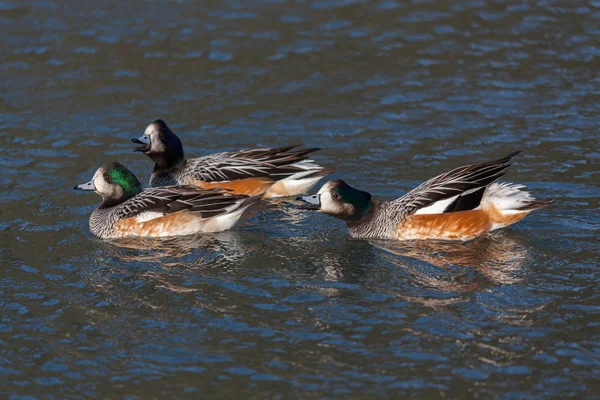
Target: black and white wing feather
[[276, 163], [156, 202], [447, 190]]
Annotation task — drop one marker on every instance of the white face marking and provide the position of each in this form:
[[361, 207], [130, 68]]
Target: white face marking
[[104, 188], [328, 206], [99, 183], [146, 138], [150, 130], [150, 137]]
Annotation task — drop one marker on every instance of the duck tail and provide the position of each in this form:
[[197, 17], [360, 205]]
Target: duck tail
[[506, 203]]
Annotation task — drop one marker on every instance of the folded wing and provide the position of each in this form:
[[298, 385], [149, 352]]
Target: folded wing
[[274, 164], [458, 190], [158, 202]]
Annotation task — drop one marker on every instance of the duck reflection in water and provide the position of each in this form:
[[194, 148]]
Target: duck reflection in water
[[459, 267], [158, 268], [189, 251]]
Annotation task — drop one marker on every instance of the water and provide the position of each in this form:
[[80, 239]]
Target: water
[[286, 305]]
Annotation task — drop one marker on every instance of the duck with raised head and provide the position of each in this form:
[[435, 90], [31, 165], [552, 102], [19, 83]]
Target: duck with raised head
[[274, 172], [462, 204], [129, 210]]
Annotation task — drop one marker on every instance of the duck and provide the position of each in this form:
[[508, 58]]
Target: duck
[[129, 210], [272, 172], [462, 204]]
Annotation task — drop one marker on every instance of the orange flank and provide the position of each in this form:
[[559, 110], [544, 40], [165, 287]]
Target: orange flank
[[460, 225], [500, 220], [170, 224], [248, 186]]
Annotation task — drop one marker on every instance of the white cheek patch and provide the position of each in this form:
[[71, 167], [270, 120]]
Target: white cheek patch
[[327, 204], [99, 183], [151, 128]]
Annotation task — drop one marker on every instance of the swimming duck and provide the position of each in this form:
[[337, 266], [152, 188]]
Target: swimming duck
[[128, 210], [458, 205], [276, 172]]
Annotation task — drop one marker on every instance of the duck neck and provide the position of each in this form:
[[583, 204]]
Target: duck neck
[[121, 195], [363, 226], [168, 160], [110, 202]]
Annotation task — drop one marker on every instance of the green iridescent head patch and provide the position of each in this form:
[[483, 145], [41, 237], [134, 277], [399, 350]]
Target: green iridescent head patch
[[115, 173]]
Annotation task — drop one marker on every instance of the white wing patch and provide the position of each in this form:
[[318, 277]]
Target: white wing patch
[[439, 206], [436, 208]]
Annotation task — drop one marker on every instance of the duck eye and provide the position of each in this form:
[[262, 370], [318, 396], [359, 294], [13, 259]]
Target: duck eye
[[161, 136], [108, 178], [335, 196]]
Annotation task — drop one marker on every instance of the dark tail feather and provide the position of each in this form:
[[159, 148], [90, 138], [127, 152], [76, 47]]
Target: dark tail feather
[[536, 205]]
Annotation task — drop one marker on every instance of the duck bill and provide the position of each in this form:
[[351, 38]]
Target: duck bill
[[86, 186], [145, 143], [312, 202]]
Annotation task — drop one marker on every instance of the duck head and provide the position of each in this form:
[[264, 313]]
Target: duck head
[[340, 200], [114, 183], [160, 144]]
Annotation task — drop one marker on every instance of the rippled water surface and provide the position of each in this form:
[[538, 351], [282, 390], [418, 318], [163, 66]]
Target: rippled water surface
[[287, 305]]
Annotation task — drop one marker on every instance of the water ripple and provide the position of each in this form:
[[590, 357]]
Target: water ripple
[[287, 305]]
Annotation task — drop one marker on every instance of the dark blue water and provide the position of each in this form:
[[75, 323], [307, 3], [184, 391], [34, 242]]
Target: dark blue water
[[287, 305]]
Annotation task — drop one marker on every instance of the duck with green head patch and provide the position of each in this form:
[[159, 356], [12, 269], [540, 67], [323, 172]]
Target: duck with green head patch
[[458, 205], [128, 210]]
